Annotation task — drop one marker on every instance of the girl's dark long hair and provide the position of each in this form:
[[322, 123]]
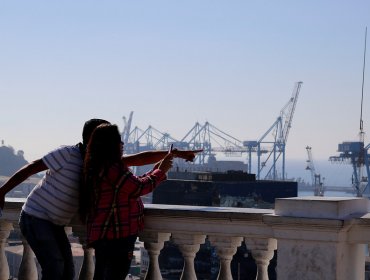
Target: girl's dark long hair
[[103, 150]]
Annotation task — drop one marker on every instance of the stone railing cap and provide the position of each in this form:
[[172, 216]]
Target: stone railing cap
[[322, 207]]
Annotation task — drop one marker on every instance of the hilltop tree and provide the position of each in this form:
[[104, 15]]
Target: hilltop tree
[[10, 161]]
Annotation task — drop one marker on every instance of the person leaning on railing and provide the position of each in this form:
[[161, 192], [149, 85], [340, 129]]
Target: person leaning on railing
[[113, 208]]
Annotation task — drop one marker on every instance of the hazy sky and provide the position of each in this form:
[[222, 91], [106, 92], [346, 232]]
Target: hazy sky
[[175, 63]]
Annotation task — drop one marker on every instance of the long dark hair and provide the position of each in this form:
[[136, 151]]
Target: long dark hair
[[103, 150]]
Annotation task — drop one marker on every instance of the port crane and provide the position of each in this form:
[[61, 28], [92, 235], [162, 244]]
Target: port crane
[[269, 148], [275, 138], [356, 153], [202, 137], [206, 137], [139, 140], [127, 127], [316, 177]]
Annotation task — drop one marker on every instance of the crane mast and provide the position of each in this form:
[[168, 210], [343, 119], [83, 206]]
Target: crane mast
[[292, 105], [126, 127]]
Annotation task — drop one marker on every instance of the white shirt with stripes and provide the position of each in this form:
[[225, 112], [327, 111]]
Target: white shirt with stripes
[[55, 197]]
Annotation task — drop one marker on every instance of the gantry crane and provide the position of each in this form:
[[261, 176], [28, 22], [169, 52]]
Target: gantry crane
[[356, 153], [206, 137], [275, 145], [212, 140], [316, 177], [270, 147], [151, 138]]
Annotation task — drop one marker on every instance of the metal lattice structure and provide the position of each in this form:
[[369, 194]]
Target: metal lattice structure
[[213, 141], [151, 138], [355, 154], [271, 146]]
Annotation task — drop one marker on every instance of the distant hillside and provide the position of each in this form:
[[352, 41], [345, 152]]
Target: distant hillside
[[10, 161]]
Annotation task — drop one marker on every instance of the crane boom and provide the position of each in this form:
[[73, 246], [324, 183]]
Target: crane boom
[[292, 105], [310, 165]]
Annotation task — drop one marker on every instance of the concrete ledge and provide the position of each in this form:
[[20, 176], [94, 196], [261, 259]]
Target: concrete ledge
[[322, 207], [205, 212]]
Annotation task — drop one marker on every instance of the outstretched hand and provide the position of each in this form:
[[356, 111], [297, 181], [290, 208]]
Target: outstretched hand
[[187, 155], [166, 163]]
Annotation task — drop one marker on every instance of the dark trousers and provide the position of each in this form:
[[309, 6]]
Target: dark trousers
[[113, 258], [51, 246]]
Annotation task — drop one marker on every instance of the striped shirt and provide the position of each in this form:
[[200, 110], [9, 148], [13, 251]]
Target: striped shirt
[[55, 197], [118, 211]]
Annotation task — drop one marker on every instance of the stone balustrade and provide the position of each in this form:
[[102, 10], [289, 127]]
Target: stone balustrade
[[315, 237]]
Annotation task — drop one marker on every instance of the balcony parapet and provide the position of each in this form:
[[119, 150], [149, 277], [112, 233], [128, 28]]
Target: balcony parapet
[[316, 237], [225, 227], [320, 238]]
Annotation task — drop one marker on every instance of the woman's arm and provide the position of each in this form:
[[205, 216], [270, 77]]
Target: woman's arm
[[141, 185]]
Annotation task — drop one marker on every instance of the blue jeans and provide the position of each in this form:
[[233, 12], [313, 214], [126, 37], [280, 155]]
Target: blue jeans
[[51, 246], [113, 258]]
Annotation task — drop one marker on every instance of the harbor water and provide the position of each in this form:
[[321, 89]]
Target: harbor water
[[330, 193]]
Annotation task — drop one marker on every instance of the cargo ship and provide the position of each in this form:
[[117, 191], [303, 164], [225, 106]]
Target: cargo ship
[[222, 189]]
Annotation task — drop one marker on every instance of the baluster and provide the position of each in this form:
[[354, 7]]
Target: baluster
[[88, 264], [189, 245], [27, 268], [226, 247], [5, 228], [262, 250], [153, 243]]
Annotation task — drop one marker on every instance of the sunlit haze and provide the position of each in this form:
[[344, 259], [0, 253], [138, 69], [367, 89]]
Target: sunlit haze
[[175, 63]]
